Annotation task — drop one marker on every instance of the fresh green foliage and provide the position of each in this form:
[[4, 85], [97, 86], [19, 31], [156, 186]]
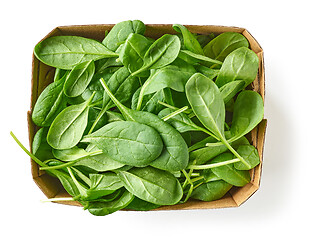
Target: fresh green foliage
[[241, 64], [137, 123], [120, 32], [161, 53], [225, 43], [128, 142], [49, 104], [78, 79], [65, 52], [190, 42], [152, 185]]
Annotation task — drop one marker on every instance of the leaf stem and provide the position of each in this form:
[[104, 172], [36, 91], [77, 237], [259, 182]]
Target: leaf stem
[[34, 158], [225, 142], [213, 165], [122, 108], [173, 114], [188, 111]]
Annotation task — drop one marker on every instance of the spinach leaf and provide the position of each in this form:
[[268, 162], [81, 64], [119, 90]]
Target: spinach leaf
[[161, 53], [103, 184], [140, 205], [174, 156], [102, 208], [250, 154], [241, 64], [68, 127], [229, 173], [248, 112], [181, 122], [49, 104], [194, 59], [152, 185], [40, 148], [120, 32], [208, 72], [229, 90], [190, 42], [78, 79], [211, 191], [128, 142], [225, 43], [133, 51], [150, 101], [65, 52], [207, 103]]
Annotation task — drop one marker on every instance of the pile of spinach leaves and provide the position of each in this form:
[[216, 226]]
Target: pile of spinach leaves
[[137, 123]]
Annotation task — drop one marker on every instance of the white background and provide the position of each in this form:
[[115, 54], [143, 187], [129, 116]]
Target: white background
[[278, 209]]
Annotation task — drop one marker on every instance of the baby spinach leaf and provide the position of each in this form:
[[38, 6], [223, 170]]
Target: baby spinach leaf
[[65, 52], [120, 32], [229, 90], [161, 53], [250, 154], [78, 79], [40, 148], [248, 112], [211, 191], [241, 64], [174, 156], [152, 185], [173, 76], [133, 51], [189, 40], [150, 101], [194, 59], [181, 122], [207, 103], [229, 173], [103, 184], [225, 43], [123, 86], [49, 104], [59, 73], [100, 208], [68, 127], [140, 205], [208, 72], [128, 142]]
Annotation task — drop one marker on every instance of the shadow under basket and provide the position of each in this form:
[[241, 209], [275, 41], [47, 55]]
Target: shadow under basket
[[42, 75]]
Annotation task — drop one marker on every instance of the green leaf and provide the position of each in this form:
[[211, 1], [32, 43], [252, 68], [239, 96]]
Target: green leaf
[[49, 104], [161, 53], [152, 185], [250, 154], [174, 156], [248, 113], [207, 103], [78, 79], [140, 205], [224, 44], [211, 191], [241, 64], [194, 59], [128, 142], [174, 76], [133, 51], [40, 148], [229, 90], [120, 32], [190, 42], [65, 52], [68, 127], [229, 173], [99, 208]]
